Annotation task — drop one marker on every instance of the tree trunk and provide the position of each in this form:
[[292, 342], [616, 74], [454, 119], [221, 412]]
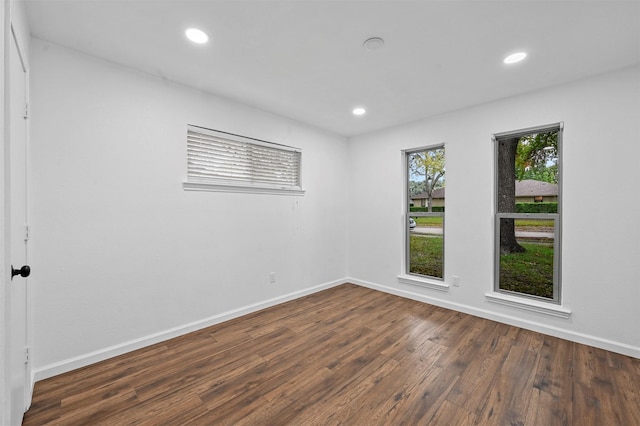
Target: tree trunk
[[507, 194]]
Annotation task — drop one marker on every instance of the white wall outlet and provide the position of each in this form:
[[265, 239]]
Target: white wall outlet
[[272, 278], [456, 280]]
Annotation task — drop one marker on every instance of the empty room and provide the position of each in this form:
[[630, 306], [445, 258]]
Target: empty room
[[320, 212]]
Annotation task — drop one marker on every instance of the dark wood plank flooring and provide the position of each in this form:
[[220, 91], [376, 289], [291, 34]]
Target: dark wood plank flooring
[[353, 356]]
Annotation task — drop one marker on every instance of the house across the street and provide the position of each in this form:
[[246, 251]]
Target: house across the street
[[536, 191], [527, 191], [420, 200]]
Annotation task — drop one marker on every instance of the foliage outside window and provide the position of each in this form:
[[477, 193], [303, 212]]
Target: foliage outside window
[[528, 244], [425, 212]]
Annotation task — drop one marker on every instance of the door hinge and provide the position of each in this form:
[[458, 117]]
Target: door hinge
[[27, 354], [26, 111], [27, 233]]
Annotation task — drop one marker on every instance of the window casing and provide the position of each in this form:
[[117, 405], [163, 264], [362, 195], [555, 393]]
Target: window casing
[[220, 161], [527, 245]]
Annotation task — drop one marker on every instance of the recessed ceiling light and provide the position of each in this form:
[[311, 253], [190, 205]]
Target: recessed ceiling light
[[515, 57], [197, 36], [359, 111], [373, 43]]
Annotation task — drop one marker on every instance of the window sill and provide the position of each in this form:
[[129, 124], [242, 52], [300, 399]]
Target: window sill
[[528, 305], [213, 187], [423, 282]]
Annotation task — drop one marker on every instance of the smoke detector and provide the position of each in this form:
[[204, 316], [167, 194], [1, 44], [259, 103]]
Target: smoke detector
[[373, 43]]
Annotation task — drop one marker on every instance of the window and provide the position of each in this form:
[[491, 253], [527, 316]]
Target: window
[[220, 161], [527, 227], [425, 212]]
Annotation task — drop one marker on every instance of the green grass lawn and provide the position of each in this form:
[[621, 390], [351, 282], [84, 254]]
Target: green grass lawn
[[426, 255], [534, 223], [530, 272], [433, 221]]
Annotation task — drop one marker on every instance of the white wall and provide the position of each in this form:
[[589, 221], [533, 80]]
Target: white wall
[[601, 241], [121, 252]]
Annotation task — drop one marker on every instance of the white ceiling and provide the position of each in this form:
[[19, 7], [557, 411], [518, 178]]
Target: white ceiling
[[304, 59]]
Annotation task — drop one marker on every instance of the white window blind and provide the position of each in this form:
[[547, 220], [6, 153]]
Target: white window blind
[[227, 162]]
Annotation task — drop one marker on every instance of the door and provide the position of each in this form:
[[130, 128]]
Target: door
[[18, 348]]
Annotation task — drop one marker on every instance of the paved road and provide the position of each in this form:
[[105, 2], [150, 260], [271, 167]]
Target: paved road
[[427, 230], [519, 234]]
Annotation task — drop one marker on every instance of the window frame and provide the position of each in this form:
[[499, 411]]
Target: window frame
[[557, 217], [410, 277], [236, 183]]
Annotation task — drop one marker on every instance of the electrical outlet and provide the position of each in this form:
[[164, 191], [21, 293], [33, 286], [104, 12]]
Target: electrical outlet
[[272, 278], [456, 281]]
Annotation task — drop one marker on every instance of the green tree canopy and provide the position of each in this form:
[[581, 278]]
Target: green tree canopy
[[537, 157], [416, 187]]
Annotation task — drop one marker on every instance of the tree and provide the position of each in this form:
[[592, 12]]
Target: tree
[[416, 188], [537, 157], [532, 156], [507, 149], [544, 174], [429, 165]]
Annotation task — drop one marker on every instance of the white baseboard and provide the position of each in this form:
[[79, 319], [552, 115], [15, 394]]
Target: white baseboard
[[80, 361], [598, 342]]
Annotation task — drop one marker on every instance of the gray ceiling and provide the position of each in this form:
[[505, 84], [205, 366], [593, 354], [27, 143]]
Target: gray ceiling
[[304, 59]]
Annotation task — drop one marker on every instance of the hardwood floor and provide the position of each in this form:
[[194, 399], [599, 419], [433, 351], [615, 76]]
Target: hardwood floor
[[354, 356]]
